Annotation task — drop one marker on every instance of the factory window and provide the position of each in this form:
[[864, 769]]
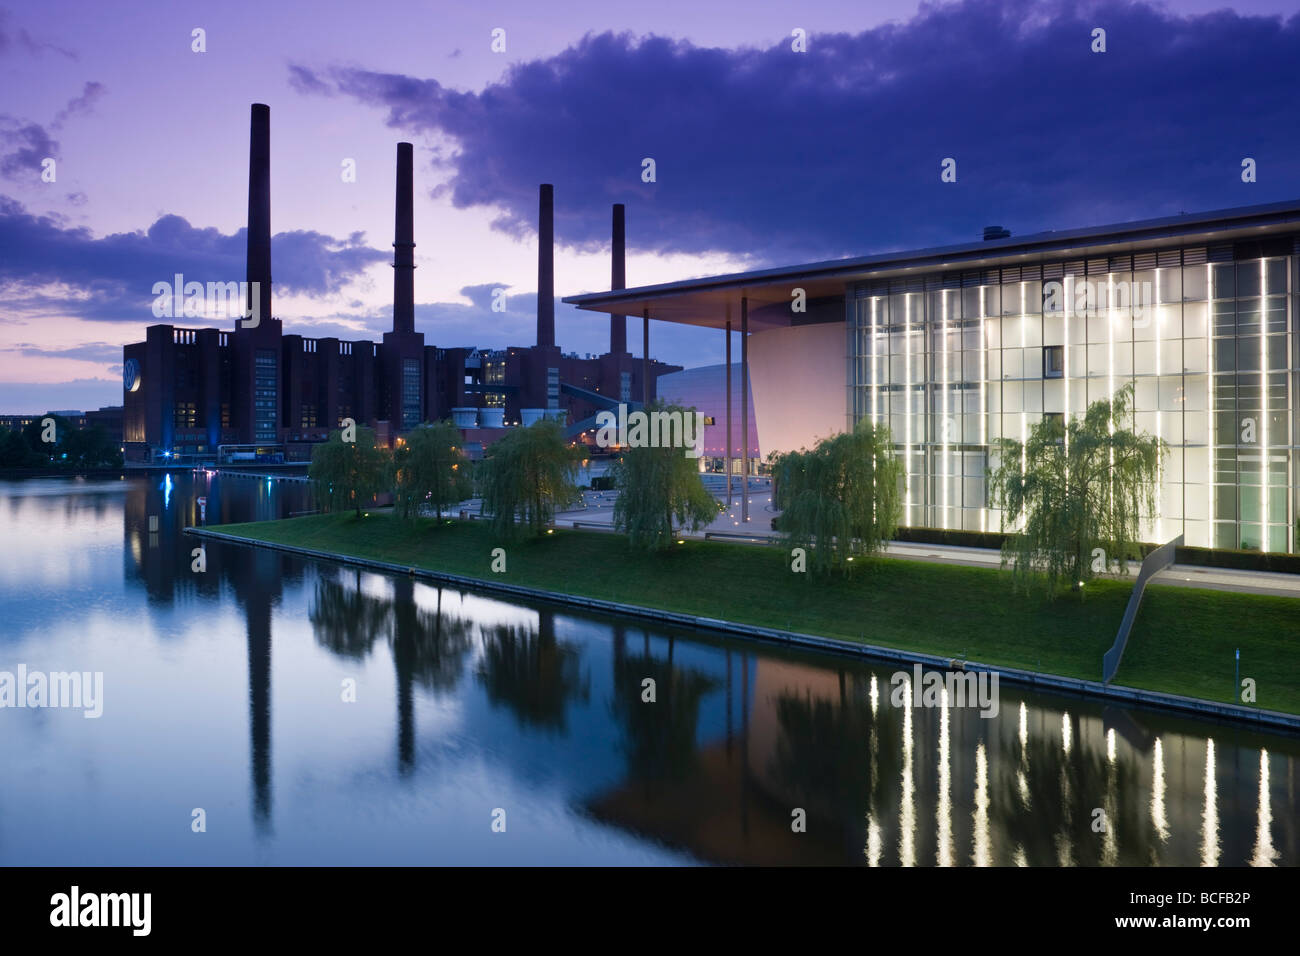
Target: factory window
[[552, 388], [411, 414], [184, 415], [308, 416], [265, 393]]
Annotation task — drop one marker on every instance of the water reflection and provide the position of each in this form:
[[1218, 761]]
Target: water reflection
[[465, 702], [532, 673], [1210, 828]]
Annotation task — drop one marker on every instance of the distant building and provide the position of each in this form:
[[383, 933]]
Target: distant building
[[705, 390], [108, 418]]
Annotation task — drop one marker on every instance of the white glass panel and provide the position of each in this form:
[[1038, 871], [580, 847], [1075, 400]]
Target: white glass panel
[[1144, 358], [1054, 395], [1098, 361], [1146, 394], [1194, 320]]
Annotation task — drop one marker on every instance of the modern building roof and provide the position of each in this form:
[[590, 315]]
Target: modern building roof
[[705, 301]]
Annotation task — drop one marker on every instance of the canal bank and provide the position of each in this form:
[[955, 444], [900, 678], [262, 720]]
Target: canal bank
[[1223, 711]]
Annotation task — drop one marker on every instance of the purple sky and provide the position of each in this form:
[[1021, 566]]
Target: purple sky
[[764, 156]]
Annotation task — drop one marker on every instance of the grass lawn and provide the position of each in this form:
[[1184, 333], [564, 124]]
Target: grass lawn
[[1183, 641]]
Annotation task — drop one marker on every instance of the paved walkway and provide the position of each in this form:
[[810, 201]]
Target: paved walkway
[[597, 511]]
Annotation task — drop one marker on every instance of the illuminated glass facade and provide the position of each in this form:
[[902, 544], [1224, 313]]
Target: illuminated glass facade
[[953, 360]]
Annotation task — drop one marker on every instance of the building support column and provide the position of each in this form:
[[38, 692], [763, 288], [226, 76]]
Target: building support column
[[645, 359], [728, 373], [744, 408]]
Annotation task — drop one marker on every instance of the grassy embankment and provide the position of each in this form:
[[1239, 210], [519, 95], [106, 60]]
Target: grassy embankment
[[1183, 642]]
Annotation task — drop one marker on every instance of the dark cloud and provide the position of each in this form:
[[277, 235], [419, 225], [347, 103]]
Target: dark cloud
[[113, 275], [82, 104], [23, 146], [87, 352], [305, 81], [778, 155], [11, 39]]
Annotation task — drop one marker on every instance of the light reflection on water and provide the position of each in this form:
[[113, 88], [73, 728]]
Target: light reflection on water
[[232, 690]]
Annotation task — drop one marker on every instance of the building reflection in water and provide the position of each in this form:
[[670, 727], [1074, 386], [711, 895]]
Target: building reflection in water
[[1158, 819], [741, 735], [1210, 828], [1264, 855]]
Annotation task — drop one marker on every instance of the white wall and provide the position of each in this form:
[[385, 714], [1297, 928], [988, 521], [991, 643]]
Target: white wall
[[797, 377]]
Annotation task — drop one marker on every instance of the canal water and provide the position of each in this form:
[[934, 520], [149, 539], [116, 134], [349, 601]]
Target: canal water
[[278, 711]]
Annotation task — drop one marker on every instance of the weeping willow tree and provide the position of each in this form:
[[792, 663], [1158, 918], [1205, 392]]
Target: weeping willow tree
[[429, 468], [526, 477], [657, 486], [348, 474], [1082, 490], [841, 499]]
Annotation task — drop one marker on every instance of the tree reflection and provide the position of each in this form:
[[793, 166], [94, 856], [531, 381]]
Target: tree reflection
[[532, 672], [429, 648], [660, 737], [1048, 805], [346, 620], [823, 760]]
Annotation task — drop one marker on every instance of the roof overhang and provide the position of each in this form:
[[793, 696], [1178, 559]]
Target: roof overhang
[[711, 301]]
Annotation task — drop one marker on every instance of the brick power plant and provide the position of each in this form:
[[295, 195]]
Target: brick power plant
[[255, 392]]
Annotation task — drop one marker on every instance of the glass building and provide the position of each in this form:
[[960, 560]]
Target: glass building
[[958, 347], [953, 361]]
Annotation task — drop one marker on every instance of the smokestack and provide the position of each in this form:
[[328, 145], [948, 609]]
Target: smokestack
[[259, 213], [404, 245], [546, 267], [618, 280]]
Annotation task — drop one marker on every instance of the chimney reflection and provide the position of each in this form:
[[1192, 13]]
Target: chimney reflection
[[257, 616]]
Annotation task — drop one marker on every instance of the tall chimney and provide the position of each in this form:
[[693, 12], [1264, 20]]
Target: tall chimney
[[404, 245], [618, 280], [259, 213], [546, 267]]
